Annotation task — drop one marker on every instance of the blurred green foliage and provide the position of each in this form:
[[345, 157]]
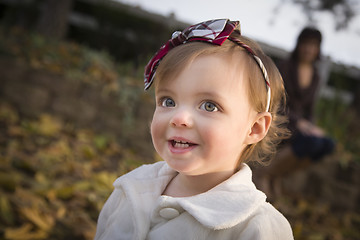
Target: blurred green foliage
[[66, 58], [340, 122], [54, 177], [128, 33]]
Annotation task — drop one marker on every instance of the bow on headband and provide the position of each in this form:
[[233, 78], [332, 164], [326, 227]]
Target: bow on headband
[[212, 31]]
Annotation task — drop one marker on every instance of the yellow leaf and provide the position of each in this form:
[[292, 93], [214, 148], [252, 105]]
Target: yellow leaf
[[105, 179], [65, 192], [28, 198], [317, 236], [6, 212], [24, 233], [84, 136], [88, 151], [51, 194], [48, 125], [9, 181], [18, 233], [61, 212], [83, 185], [41, 178], [298, 228], [43, 221], [302, 206], [8, 113]]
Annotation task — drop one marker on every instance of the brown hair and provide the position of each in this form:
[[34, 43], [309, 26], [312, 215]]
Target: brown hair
[[180, 57], [306, 34]]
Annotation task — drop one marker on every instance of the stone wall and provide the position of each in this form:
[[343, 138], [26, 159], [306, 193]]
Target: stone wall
[[80, 103]]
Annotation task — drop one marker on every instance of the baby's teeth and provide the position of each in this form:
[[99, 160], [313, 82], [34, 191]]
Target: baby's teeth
[[181, 145]]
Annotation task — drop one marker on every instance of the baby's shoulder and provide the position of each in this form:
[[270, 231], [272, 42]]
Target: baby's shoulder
[[270, 223]]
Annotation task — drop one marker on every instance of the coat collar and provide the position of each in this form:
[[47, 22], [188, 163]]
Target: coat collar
[[224, 206]]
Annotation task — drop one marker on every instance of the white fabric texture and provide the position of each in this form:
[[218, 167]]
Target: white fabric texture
[[234, 209]]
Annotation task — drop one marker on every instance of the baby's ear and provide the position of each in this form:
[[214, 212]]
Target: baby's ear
[[259, 128]]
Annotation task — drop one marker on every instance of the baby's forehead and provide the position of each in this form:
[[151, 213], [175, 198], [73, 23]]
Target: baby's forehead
[[212, 69], [233, 57], [234, 60]]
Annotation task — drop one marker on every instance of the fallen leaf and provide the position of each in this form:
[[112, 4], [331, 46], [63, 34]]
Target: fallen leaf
[[43, 221], [25, 232]]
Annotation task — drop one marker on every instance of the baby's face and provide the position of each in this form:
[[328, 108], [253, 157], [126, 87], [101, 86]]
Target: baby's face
[[203, 117]]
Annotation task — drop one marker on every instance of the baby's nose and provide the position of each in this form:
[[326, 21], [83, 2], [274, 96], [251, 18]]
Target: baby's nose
[[182, 118]]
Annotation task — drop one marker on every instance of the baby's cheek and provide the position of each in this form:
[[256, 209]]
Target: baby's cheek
[[213, 136], [157, 133]]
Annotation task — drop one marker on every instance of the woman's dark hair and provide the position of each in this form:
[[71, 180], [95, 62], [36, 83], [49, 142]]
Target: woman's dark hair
[[306, 34]]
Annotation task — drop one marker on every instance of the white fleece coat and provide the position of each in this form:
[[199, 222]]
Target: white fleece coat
[[234, 209]]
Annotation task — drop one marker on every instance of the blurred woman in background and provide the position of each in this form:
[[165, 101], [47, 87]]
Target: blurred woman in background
[[308, 142]]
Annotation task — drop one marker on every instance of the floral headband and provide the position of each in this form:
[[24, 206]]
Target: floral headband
[[212, 31]]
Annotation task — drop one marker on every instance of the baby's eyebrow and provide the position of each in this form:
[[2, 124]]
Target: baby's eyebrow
[[163, 90], [212, 95]]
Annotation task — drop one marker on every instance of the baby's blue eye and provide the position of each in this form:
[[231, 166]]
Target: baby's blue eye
[[167, 102], [209, 107]]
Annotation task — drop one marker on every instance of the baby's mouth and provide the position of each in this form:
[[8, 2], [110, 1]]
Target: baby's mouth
[[181, 144]]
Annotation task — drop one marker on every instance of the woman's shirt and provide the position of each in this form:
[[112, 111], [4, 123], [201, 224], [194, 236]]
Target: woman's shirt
[[300, 101]]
